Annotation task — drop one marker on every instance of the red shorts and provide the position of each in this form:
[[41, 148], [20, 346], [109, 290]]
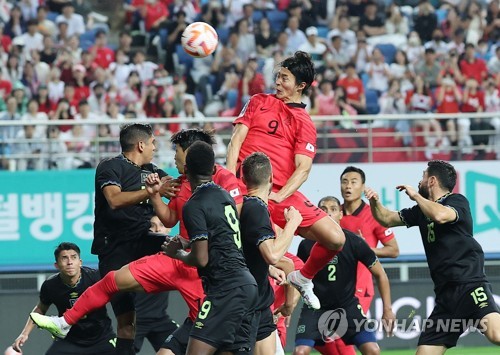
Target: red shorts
[[310, 212], [159, 273]]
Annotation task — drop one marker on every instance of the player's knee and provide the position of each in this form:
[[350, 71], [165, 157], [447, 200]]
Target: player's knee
[[370, 349], [493, 335], [336, 241], [302, 350]]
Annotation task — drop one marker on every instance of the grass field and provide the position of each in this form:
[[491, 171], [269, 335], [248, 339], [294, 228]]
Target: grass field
[[455, 351]]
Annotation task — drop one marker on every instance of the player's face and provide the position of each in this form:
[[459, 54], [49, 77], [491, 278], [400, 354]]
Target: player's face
[[351, 186], [69, 263], [149, 149], [287, 89], [157, 226], [423, 186], [180, 159], [332, 209]]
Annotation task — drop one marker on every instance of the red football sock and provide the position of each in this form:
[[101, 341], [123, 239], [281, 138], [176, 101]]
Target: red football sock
[[319, 257], [93, 298]]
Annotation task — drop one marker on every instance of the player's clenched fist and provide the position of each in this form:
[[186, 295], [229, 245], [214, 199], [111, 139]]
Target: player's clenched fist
[[293, 215]]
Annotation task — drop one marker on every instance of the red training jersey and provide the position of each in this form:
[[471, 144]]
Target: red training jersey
[[222, 177], [474, 102], [363, 224], [279, 130], [353, 87]]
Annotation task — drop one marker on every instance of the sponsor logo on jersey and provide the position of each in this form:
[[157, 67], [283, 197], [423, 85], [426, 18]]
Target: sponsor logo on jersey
[[234, 192], [310, 147]]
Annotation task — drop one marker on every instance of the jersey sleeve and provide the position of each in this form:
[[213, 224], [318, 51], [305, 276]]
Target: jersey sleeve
[[106, 174], [383, 234], [305, 142], [459, 204], [362, 250], [246, 114], [410, 216], [195, 222], [229, 182], [259, 224]]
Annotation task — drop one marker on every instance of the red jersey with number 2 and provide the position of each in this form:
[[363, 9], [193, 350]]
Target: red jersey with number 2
[[280, 131], [222, 177]]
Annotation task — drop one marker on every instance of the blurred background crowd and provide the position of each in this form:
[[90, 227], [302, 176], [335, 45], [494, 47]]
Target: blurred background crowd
[[62, 59]]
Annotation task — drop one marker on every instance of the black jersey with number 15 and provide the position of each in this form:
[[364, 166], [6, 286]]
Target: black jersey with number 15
[[453, 255], [210, 214]]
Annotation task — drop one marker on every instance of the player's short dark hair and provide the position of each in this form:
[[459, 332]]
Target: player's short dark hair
[[301, 66], [200, 159], [256, 169], [66, 246], [329, 198], [186, 137], [444, 172], [131, 134], [353, 169]]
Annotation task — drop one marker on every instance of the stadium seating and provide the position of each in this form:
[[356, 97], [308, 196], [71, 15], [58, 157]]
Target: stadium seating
[[372, 106], [388, 50], [277, 19]]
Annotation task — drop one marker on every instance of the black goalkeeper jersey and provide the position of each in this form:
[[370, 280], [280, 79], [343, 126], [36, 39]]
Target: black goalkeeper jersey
[[335, 283], [255, 228], [123, 224], [210, 214], [453, 255], [91, 329]]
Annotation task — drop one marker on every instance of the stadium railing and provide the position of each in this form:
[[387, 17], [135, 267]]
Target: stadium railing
[[367, 138]]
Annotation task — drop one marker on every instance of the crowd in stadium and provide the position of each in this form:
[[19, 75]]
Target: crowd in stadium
[[60, 60]]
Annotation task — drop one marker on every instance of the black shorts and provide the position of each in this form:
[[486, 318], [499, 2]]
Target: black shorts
[[177, 341], [66, 347], [350, 326], [457, 307], [155, 330], [226, 320], [266, 323], [123, 254]]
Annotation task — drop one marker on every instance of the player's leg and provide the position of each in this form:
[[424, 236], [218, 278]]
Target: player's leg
[[198, 347], [176, 343], [303, 349], [307, 334], [266, 333], [337, 347], [157, 336], [366, 342], [431, 350]]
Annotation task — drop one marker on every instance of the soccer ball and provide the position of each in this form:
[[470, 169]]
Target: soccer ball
[[199, 39]]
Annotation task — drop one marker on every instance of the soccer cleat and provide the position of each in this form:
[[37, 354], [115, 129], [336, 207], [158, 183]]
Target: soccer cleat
[[305, 287], [52, 324]]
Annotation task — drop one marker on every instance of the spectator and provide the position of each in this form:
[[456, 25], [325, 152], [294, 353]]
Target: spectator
[[354, 89], [362, 55], [28, 9], [473, 67], [97, 100], [492, 104], [103, 55], [200, 74], [213, 13], [402, 70], [56, 5], [74, 48], [151, 102], [473, 23], [114, 114], [143, 67], [45, 26], [420, 101], [175, 29], [425, 22], [79, 147], [225, 63], [349, 41], [5, 86], [42, 97], [448, 100], [414, 49], [265, 39], [250, 84], [125, 45], [63, 112], [29, 143], [8, 132], [318, 49], [15, 25], [48, 54], [393, 102], [246, 40], [336, 58], [451, 24], [33, 40], [457, 42], [370, 22], [248, 11], [190, 110], [438, 44], [396, 23], [154, 14], [494, 63], [5, 40], [282, 44], [473, 101], [56, 151], [300, 9], [378, 72], [82, 90], [62, 36], [295, 36], [269, 68], [429, 68], [492, 29], [41, 69], [449, 66], [131, 94], [76, 23], [19, 92], [168, 111], [35, 117], [234, 11], [13, 71]]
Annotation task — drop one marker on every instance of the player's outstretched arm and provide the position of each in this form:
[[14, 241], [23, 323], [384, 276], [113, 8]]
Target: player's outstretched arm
[[272, 250], [303, 165], [384, 289], [23, 337], [240, 132], [383, 215]]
